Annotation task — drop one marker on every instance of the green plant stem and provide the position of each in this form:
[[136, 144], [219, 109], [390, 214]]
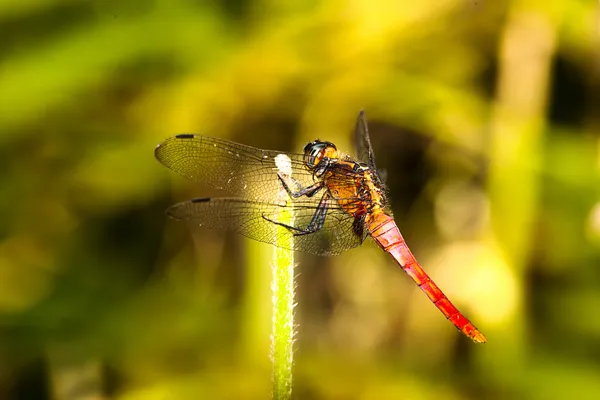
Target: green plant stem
[[282, 337], [283, 329]]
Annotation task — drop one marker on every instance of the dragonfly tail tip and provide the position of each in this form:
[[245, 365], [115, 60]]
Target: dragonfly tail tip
[[478, 337]]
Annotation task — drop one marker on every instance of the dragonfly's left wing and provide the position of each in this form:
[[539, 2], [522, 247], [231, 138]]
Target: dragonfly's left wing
[[362, 141], [255, 220], [241, 170], [364, 150]]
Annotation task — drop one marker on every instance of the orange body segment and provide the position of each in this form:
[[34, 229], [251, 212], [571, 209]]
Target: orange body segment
[[384, 231]]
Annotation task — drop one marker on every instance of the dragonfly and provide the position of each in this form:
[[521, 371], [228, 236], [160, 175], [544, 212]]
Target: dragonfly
[[335, 201]]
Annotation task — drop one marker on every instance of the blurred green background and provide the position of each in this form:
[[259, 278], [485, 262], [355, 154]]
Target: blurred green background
[[484, 114]]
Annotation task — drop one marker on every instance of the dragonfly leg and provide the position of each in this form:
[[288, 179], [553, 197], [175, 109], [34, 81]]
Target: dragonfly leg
[[318, 219], [309, 191], [316, 223]]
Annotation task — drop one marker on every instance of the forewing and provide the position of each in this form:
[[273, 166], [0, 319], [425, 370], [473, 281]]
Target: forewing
[[254, 220], [239, 169]]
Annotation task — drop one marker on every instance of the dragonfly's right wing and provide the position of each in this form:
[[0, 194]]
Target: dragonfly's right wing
[[254, 220], [241, 170]]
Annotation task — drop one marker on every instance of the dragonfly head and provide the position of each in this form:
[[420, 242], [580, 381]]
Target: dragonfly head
[[315, 151]]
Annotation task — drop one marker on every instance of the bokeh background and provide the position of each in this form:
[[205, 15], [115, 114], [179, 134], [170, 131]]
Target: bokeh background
[[484, 114]]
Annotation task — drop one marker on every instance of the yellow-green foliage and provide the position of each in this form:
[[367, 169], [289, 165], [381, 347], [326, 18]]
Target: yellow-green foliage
[[483, 113]]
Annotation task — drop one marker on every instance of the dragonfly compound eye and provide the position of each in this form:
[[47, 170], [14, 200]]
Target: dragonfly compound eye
[[315, 151]]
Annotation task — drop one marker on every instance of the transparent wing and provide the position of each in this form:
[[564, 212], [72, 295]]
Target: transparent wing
[[362, 141], [239, 169], [364, 150], [254, 220]]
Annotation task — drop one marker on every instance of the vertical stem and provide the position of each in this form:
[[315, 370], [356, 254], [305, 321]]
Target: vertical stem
[[282, 336]]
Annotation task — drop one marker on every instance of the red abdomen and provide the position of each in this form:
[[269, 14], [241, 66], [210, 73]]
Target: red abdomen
[[384, 231]]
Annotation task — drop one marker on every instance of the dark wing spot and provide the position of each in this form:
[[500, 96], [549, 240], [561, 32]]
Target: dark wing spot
[[358, 226], [185, 136], [200, 200]]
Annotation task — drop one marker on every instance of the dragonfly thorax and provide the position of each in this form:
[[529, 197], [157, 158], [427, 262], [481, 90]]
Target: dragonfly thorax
[[372, 189]]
